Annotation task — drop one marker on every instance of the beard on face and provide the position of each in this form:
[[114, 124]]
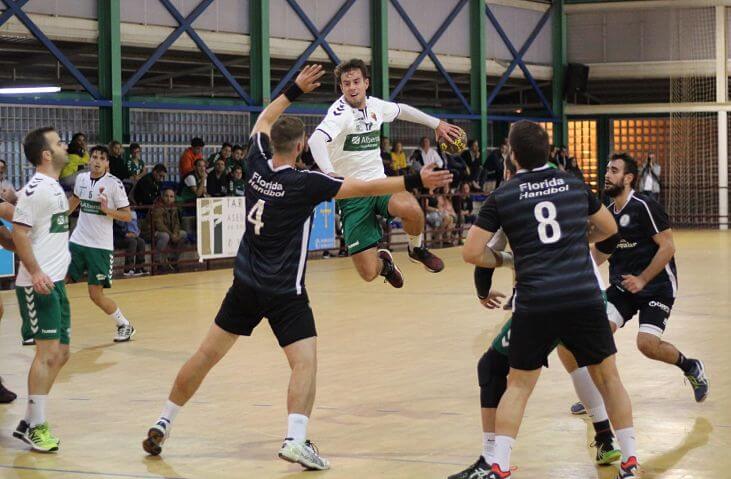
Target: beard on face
[[613, 189]]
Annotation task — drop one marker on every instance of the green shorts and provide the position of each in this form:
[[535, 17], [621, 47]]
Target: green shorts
[[45, 316], [98, 262], [361, 229]]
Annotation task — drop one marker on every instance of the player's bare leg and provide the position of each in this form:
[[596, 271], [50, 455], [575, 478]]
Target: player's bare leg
[[403, 205], [373, 263], [125, 330], [214, 347]]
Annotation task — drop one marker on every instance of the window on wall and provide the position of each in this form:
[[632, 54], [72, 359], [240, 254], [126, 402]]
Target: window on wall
[[583, 146], [641, 136]]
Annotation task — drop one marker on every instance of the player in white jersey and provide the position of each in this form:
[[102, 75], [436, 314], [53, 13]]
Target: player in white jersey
[[347, 143], [103, 199], [41, 237]]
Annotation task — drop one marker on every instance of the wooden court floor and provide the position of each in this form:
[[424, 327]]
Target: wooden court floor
[[397, 393]]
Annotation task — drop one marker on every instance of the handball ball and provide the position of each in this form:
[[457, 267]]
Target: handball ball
[[456, 146]]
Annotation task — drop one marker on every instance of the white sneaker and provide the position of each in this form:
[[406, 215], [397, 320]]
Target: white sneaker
[[129, 273], [156, 436], [124, 333], [303, 453]]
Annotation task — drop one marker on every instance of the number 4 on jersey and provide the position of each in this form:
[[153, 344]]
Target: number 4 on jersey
[[254, 216]]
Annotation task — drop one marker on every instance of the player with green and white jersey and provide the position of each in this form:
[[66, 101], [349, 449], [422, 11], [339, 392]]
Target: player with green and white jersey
[[41, 238], [347, 143], [103, 199]]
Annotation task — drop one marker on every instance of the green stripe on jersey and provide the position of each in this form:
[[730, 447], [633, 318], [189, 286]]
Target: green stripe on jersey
[[363, 141]]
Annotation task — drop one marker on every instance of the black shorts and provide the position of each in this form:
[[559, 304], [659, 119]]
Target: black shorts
[[584, 331], [654, 310], [492, 375], [243, 308]]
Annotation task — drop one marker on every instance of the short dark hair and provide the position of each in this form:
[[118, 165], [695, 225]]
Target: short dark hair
[[195, 142], [225, 144], [237, 147], [219, 159], [160, 167], [529, 143], [101, 148], [113, 143], [237, 167], [163, 190], [352, 64], [35, 143], [285, 133], [195, 163], [134, 146], [630, 164]]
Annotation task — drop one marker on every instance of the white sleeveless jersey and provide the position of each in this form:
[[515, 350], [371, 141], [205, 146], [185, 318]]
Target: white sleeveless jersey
[[95, 229], [42, 206], [355, 136]]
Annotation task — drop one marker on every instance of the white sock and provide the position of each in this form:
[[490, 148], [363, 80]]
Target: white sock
[[119, 318], [488, 446], [503, 447], [297, 427], [170, 411], [589, 395], [416, 241], [36, 409], [626, 439]]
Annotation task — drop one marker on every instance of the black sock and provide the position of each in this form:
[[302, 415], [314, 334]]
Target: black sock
[[602, 430], [684, 363]]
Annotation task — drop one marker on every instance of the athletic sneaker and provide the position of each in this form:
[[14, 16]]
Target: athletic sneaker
[[496, 473], [6, 395], [578, 409], [129, 273], [477, 470], [698, 380], [303, 453], [431, 262], [39, 438], [606, 453], [29, 342], [629, 469], [156, 436], [140, 272], [390, 271], [124, 333]]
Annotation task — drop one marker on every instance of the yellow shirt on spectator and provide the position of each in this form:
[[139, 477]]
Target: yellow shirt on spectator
[[73, 165], [398, 160]]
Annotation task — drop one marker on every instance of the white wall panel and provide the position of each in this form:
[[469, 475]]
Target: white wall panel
[[428, 17], [222, 15], [518, 23], [353, 29], [67, 8]]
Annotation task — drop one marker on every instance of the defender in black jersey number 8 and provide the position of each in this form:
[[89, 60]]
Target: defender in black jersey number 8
[[545, 215]]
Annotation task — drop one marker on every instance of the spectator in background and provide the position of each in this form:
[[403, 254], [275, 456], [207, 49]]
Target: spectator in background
[[236, 183], [425, 154], [226, 152], [7, 190], [398, 159], [386, 157], [78, 159], [574, 169], [162, 226], [463, 204], [552, 156], [127, 237], [190, 156], [562, 158], [194, 184], [492, 169], [117, 164], [135, 165], [238, 154], [650, 178], [471, 157], [217, 179], [147, 189]]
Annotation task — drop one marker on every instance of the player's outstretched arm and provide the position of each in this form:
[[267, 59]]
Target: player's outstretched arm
[[476, 251], [414, 115], [428, 177], [74, 202], [307, 81]]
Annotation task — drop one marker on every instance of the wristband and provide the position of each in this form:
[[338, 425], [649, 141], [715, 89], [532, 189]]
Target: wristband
[[413, 181], [293, 92], [483, 281], [608, 245]]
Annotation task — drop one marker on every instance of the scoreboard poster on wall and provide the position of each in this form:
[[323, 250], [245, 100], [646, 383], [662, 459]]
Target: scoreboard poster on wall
[[222, 221], [7, 258]]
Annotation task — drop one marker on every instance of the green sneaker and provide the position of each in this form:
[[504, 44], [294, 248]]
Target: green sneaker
[[41, 439], [606, 453]]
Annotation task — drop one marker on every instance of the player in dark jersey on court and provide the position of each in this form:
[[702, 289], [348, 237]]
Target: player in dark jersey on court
[[642, 272], [270, 265], [544, 214]]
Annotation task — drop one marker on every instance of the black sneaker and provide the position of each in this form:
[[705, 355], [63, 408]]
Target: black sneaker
[[390, 271], [6, 395], [477, 470], [21, 430], [698, 380], [431, 262]]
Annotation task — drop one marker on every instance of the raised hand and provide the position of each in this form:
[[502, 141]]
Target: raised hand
[[104, 206], [309, 78], [446, 130], [432, 178]]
